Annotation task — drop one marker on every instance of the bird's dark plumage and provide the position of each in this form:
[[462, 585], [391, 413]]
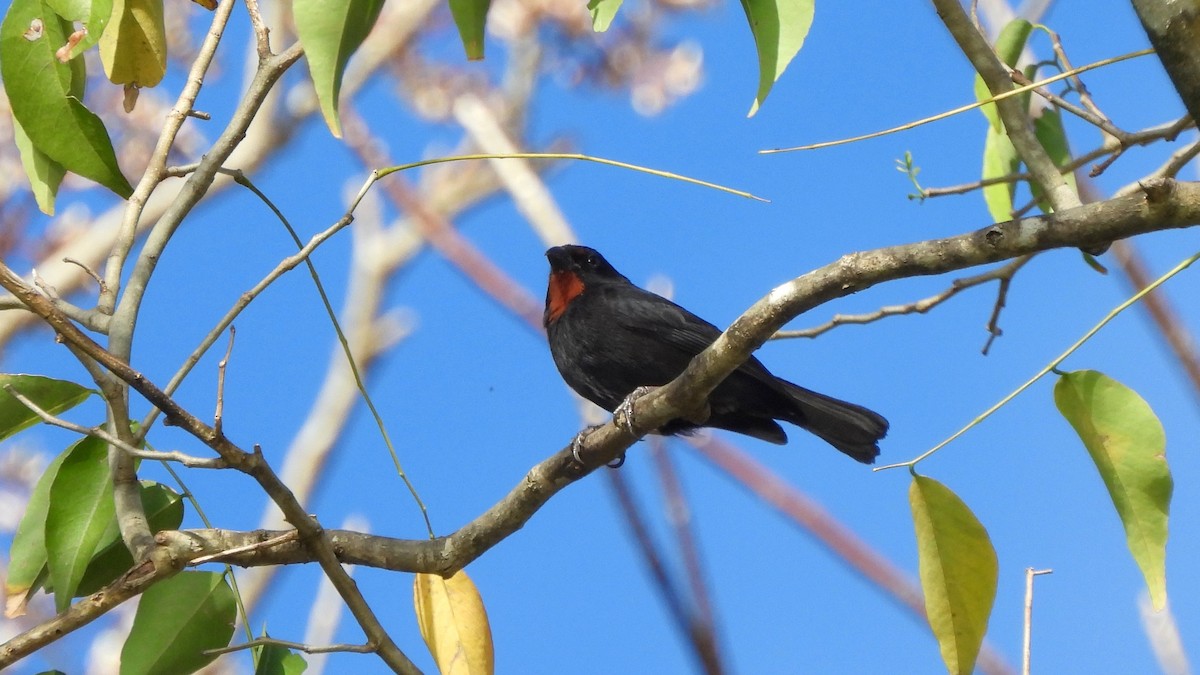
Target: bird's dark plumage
[[609, 337]]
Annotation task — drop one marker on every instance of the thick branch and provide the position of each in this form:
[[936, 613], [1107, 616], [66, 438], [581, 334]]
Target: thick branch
[[1174, 29], [1162, 204]]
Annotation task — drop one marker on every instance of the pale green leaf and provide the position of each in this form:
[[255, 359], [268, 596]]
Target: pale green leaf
[[999, 159], [330, 33], [958, 570], [47, 96], [1128, 445], [603, 13], [779, 28], [177, 620], [44, 174]]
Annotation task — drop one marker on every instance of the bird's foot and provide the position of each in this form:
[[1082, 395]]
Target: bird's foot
[[577, 447], [623, 415], [577, 442]]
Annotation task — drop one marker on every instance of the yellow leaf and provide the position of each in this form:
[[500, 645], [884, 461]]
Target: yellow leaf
[[454, 623], [133, 47]]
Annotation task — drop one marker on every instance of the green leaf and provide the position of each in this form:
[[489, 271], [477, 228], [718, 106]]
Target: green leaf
[[1009, 45], [53, 396], [164, 511], [176, 621], [603, 12], [779, 28], [133, 49], [1128, 445], [999, 159], [93, 14], [330, 33], [44, 174], [27, 556], [958, 571], [278, 660], [80, 509], [471, 16], [47, 96], [1050, 133]]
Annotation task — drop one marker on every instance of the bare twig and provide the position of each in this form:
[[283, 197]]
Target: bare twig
[[221, 365], [1153, 134], [96, 432], [1003, 273], [1100, 121], [1027, 631], [87, 270]]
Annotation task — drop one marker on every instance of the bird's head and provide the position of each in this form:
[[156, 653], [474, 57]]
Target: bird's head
[[572, 269]]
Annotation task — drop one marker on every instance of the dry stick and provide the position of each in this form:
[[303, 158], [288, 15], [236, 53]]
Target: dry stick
[[918, 307], [1030, 573], [252, 464], [101, 434], [1088, 116], [221, 365], [993, 324]]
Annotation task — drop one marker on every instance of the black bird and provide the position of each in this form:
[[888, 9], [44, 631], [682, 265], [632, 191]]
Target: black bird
[[609, 337]]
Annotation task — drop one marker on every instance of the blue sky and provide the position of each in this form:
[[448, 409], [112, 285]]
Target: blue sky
[[472, 399]]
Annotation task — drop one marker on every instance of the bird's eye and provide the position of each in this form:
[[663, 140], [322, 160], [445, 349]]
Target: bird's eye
[[591, 261]]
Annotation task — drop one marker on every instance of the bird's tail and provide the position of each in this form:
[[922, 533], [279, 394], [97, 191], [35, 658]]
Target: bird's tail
[[851, 428]]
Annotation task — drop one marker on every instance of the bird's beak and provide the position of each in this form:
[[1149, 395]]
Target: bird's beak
[[559, 260]]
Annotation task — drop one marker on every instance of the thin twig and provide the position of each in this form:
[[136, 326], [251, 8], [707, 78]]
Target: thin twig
[[1167, 132], [961, 109], [918, 307], [1027, 633], [993, 324], [87, 270], [221, 365], [97, 432], [1088, 116]]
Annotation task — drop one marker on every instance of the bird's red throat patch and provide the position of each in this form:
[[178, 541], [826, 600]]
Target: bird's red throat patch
[[564, 287]]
